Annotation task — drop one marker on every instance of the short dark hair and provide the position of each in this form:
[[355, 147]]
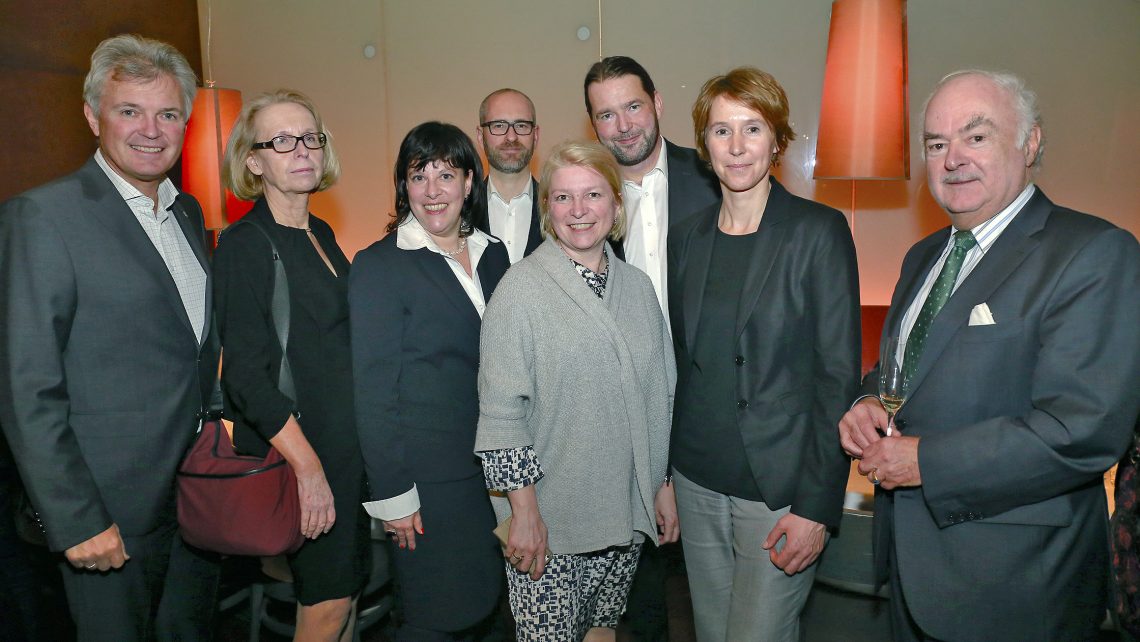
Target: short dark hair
[[436, 141], [616, 67]]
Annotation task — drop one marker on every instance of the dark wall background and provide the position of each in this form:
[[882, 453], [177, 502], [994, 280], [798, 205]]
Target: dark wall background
[[45, 50]]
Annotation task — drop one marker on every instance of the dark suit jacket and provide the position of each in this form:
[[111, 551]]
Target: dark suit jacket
[[415, 345], [101, 377], [797, 340], [692, 183], [1006, 537], [534, 237]]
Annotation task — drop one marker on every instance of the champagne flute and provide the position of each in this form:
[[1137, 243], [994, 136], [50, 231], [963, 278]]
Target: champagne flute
[[892, 383]]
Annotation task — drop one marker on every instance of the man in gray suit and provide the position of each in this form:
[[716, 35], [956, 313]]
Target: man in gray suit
[[1021, 345], [106, 356]]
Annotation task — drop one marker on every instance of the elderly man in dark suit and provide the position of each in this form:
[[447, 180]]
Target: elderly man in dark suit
[[1022, 351], [662, 184], [106, 355]]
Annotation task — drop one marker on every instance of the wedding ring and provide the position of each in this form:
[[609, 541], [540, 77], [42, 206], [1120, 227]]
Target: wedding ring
[[516, 559], [90, 566], [874, 478]]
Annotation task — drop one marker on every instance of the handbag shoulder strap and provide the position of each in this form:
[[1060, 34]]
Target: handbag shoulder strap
[[279, 310]]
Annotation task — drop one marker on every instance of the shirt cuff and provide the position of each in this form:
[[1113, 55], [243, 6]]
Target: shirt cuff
[[396, 507], [861, 398], [510, 468]]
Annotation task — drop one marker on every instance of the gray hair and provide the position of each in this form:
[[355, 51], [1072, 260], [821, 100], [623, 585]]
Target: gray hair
[[1024, 103], [133, 57]]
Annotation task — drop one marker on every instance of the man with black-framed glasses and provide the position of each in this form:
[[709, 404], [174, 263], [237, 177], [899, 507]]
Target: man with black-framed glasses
[[508, 133]]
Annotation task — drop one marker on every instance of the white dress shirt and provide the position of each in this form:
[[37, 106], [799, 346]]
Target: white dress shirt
[[510, 220], [647, 226], [412, 236]]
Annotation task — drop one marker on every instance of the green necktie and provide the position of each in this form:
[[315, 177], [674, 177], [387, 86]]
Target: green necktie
[[939, 294]]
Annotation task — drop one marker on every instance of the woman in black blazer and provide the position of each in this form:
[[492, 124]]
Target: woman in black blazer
[[279, 153], [764, 303], [417, 298]]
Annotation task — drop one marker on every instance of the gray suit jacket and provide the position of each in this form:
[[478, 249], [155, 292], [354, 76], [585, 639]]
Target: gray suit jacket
[[101, 376], [1006, 538]]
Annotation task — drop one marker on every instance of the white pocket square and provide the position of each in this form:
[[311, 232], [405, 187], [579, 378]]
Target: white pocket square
[[981, 315]]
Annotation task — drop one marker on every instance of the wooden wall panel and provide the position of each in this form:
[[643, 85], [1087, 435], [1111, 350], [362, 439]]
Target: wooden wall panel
[[45, 50]]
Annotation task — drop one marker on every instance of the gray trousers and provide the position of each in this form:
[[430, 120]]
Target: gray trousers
[[738, 594]]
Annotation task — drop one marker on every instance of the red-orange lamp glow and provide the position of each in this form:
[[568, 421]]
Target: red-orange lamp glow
[[863, 123], [207, 134]]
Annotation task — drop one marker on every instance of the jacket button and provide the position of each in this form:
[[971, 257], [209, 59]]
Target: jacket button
[[742, 404], [739, 360]]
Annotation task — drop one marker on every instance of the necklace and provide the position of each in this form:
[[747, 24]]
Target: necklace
[[462, 246]]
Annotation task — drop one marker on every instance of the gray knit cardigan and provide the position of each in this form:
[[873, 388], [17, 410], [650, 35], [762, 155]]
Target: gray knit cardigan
[[588, 383]]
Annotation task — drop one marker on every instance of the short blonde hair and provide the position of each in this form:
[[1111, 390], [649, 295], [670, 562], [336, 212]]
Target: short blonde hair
[[236, 175], [592, 156], [756, 90]]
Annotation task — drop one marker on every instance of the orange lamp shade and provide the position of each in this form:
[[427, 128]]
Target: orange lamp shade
[[207, 133], [863, 122]]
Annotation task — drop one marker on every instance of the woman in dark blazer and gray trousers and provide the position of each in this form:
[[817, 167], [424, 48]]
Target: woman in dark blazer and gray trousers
[[764, 302], [417, 299]]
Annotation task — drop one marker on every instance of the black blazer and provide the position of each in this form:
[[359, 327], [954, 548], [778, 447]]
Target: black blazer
[[1006, 538], [797, 340], [415, 345], [319, 355], [101, 376], [534, 236]]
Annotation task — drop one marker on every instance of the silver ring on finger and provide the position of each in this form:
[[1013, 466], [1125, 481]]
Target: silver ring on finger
[[90, 566]]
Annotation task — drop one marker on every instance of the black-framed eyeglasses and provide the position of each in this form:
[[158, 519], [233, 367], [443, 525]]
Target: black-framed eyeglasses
[[285, 143], [499, 127]]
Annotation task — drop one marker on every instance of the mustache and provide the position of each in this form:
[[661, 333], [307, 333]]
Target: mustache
[[959, 177]]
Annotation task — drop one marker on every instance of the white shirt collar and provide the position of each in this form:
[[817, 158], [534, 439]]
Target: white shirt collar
[[495, 191], [987, 233], [412, 236], [166, 190]]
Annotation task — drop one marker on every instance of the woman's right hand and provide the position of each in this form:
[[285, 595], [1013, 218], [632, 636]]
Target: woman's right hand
[[317, 511], [526, 541]]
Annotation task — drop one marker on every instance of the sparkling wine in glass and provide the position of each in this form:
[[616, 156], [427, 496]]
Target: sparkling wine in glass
[[892, 385]]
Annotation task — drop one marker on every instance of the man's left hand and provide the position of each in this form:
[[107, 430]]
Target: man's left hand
[[804, 543], [894, 462]]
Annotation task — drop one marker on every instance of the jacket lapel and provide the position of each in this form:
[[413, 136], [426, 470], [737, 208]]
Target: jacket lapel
[[1009, 251], [534, 237], [118, 219], [192, 228], [696, 272], [769, 243], [439, 273]]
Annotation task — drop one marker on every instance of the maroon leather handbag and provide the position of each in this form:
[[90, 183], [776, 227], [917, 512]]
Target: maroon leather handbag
[[237, 504]]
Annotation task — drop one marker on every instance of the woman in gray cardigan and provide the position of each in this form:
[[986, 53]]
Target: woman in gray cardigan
[[575, 397]]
